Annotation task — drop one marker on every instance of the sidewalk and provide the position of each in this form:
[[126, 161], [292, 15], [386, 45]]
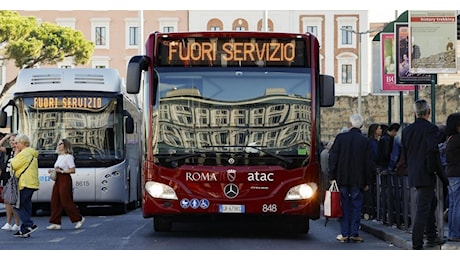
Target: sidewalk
[[398, 237]]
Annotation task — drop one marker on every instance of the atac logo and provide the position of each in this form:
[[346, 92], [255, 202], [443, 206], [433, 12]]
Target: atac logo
[[231, 175]]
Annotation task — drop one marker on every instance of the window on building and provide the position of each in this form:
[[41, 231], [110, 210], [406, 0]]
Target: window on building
[[347, 74], [215, 25], [169, 24], [100, 36], [240, 28], [312, 29], [168, 29], [347, 35], [133, 35], [100, 32]]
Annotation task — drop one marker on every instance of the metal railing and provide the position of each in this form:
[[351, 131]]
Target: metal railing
[[391, 201]]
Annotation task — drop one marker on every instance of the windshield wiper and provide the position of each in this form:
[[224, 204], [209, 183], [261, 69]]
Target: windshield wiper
[[249, 151], [170, 158]]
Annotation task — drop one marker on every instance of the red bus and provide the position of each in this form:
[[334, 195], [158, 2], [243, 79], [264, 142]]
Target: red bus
[[231, 126]]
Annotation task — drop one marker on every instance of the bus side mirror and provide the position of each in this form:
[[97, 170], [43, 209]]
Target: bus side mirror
[[129, 125], [3, 119], [4, 115], [133, 75], [326, 91]]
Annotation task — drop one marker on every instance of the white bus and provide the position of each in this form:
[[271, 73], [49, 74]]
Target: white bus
[[91, 108]]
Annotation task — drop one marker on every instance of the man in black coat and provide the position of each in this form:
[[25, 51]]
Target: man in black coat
[[351, 165], [420, 144]]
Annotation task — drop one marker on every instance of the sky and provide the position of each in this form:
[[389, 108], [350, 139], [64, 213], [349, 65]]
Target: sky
[[379, 11]]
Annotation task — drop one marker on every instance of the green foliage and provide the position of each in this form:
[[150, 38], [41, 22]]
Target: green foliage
[[28, 43]]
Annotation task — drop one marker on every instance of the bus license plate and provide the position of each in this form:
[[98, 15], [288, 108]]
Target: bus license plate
[[225, 208]]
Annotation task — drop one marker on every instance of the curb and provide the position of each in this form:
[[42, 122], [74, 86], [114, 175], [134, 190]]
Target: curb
[[398, 237]]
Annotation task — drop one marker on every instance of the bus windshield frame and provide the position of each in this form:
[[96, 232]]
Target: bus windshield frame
[[90, 120]]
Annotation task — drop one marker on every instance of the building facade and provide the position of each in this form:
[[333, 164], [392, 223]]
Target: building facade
[[345, 36]]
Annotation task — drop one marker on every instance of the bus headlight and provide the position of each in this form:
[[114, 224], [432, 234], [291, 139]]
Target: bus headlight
[[160, 190], [302, 191]]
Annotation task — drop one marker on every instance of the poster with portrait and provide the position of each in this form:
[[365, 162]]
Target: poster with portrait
[[402, 48], [388, 59]]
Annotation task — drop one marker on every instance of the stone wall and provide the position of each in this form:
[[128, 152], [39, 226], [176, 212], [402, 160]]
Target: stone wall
[[375, 109]]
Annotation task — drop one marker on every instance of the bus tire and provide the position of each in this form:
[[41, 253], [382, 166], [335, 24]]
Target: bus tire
[[298, 225], [162, 224]]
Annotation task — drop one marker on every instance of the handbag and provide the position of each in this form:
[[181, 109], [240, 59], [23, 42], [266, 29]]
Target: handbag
[[10, 192], [53, 175], [332, 203]]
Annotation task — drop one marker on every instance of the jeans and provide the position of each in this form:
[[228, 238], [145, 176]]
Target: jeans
[[25, 208], [352, 203], [454, 207], [425, 220]]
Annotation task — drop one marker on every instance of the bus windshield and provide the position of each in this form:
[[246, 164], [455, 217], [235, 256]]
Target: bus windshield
[[90, 122], [258, 111]]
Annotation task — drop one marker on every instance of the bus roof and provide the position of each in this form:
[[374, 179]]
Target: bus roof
[[63, 79]]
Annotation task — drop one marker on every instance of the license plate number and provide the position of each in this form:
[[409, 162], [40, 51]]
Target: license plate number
[[225, 208]]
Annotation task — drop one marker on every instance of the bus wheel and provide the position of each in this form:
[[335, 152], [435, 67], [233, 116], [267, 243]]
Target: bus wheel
[[298, 225], [304, 226], [162, 224]]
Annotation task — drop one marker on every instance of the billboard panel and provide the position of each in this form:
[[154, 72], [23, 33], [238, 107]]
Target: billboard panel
[[388, 62], [433, 36], [403, 74]]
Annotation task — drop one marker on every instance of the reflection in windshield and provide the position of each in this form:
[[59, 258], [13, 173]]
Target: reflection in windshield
[[91, 132], [232, 111]]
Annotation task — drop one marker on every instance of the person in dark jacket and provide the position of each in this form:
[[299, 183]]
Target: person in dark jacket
[[452, 131], [384, 148], [351, 165], [420, 145]]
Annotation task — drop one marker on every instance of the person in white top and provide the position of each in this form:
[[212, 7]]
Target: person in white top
[[61, 196]]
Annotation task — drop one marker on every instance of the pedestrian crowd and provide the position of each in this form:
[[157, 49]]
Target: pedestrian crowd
[[19, 164], [369, 166]]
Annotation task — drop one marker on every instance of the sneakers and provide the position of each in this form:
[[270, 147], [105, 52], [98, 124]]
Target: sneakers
[[357, 239], [7, 226], [29, 230], [20, 234], [80, 223], [342, 239], [15, 227], [435, 242], [53, 227]]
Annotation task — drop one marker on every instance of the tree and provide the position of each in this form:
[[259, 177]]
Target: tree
[[26, 42]]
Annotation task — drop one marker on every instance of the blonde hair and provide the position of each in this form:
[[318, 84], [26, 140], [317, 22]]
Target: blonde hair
[[22, 138]]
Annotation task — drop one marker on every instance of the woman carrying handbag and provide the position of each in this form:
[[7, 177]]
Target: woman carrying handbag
[[25, 164]]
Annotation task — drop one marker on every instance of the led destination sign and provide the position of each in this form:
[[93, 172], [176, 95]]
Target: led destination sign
[[67, 102], [232, 52]]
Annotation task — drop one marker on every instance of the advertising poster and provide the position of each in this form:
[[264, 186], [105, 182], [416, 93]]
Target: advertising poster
[[403, 74], [388, 59], [434, 39]]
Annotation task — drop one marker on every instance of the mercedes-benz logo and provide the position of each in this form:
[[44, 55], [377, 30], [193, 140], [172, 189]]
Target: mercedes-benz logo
[[231, 161], [231, 191]]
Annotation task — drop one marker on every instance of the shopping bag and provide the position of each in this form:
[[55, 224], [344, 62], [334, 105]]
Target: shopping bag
[[332, 204]]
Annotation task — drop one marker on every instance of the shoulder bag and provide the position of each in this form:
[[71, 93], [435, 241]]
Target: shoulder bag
[[10, 192]]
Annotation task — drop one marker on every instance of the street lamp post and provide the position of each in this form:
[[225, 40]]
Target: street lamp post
[[359, 63]]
